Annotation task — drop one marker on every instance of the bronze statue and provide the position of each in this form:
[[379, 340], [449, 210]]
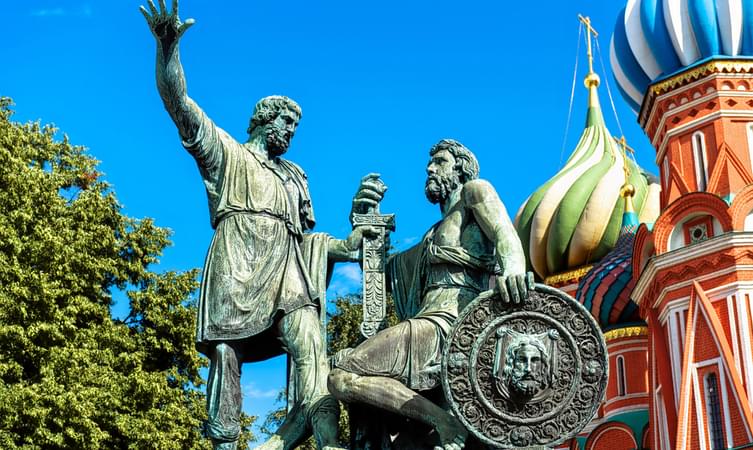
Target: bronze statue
[[265, 275], [431, 283]]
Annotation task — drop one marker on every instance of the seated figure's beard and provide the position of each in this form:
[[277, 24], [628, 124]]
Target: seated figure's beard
[[277, 141], [438, 187]]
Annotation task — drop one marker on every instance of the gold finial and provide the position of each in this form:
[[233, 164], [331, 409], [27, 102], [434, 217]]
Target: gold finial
[[592, 80]]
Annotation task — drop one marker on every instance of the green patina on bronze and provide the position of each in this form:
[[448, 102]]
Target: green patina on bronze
[[430, 283], [264, 279]]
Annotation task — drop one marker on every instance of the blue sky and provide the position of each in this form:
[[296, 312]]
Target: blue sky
[[379, 83]]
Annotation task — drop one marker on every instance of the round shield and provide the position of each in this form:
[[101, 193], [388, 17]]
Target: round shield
[[528, 374]]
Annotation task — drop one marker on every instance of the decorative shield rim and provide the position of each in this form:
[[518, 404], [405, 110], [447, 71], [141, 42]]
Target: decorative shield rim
[[472, 306]]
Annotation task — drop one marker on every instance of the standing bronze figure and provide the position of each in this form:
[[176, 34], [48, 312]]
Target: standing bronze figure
[[265, 275]]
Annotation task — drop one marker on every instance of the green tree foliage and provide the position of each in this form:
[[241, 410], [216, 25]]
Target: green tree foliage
[[344, 325], [70, 375], [343, 331]]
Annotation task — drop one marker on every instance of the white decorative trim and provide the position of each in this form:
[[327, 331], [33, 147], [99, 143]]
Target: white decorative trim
[[675, 351], [641, 349], [742, 313], [725, 403], [597, 422], [733, 288], [614, 400], [678, 303], [665, 171], [749, 133], [712, 294], [671, 258], [709, 96], [732, 113], [733, 330], [656, 397], [663, 428], [689, 87], [698, 410]]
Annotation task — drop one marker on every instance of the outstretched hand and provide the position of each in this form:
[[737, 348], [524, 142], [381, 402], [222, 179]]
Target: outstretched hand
[[166, 26]]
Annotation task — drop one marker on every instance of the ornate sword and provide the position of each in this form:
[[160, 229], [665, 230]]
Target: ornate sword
[[374, 258]]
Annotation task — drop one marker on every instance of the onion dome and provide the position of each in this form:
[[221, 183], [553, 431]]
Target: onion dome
[[606, 288], [654, 39], [574, 219]]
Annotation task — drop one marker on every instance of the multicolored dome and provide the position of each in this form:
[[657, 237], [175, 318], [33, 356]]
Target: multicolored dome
[[606, 288], [574, 218], [656, 38]]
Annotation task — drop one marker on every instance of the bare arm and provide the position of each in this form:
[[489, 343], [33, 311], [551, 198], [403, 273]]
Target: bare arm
[[345, 250], [171, 82], [490, 213]]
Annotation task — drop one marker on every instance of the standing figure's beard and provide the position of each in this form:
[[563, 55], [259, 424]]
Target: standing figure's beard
[[438, 187], [278, 141]]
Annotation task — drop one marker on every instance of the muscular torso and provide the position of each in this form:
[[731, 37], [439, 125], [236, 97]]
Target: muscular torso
[[449, 285], [459, 229]]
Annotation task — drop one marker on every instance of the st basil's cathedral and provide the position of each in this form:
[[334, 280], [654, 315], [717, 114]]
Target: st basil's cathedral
[[664, 263]]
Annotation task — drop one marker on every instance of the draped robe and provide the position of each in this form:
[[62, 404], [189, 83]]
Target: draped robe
[[255, 269]]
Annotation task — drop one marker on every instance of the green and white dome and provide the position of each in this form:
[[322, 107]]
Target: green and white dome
[[574, 219]]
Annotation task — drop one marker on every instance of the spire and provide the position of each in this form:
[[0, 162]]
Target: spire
[[629, 217], [592, 80]]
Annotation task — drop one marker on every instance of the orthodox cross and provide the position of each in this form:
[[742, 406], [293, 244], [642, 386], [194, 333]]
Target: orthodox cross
[[625, 150], [590, 30]]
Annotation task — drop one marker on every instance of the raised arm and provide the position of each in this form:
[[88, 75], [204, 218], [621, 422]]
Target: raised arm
[[171, 82], [481, 198]]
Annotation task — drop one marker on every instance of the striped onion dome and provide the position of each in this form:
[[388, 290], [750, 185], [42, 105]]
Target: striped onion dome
[[654, 39], [606, 288], [574, 218]]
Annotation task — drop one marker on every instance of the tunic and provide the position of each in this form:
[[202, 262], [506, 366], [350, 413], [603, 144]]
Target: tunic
[[254, 271], [430, 284]]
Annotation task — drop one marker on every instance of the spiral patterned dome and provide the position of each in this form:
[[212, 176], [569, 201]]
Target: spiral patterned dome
[[574, 219], [605, 290], [654, 39]]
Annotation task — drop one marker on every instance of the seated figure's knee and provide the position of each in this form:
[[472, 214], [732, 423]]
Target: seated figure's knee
[[340, 383]]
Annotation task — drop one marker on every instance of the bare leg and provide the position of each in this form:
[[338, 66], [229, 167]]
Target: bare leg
[[394, 396], [315, 409]]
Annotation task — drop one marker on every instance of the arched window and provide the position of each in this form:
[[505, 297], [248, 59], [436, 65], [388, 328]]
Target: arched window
[[621, 381], [699, 159], [665, 169], [713, 412]]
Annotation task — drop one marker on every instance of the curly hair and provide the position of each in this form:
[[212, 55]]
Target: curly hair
[[268, 108], [465, 161]]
